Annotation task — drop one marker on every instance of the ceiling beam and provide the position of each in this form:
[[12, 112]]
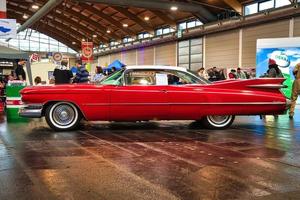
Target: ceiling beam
[[64, 28], [164, 17], [134, 18], [160, 5], [107, 18], [94, 24], [39, 14], [53, 33], [235, 5]]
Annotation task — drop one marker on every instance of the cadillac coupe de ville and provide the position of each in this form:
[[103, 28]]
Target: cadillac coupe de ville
[[139, 93]]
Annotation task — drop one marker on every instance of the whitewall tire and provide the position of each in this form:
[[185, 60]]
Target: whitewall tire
[[218, 122], [63, 116]]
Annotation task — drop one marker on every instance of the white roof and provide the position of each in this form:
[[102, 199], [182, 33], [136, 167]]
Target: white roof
[[156, 67]]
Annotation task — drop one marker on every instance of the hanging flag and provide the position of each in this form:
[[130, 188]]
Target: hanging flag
[[2, 9], [87, 51]]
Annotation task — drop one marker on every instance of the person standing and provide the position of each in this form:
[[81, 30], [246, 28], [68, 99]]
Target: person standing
[[82, 75], [20, 72], [99, 75], [62, 74], [274, 71], [240, 74], [201, 73], [37, 80], [295, 90], [232, 74]]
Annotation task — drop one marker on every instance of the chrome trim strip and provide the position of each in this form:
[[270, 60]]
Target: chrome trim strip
[[215, 103], [269, 86]]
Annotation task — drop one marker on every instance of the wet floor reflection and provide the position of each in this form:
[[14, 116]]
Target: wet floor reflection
[[151, 160]]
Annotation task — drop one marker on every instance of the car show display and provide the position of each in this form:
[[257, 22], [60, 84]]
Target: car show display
[[140, 93]]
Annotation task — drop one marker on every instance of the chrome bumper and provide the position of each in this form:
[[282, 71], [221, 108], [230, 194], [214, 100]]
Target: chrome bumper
[[31, 111]]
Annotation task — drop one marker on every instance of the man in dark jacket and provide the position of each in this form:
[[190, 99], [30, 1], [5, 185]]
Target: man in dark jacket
[[82, 75], [62, 74], [20, 72]]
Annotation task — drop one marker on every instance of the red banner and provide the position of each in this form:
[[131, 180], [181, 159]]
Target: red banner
[[87, 51]]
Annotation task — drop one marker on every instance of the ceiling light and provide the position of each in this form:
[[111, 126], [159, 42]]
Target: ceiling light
[[73, 42], [125, 25], [94, 36], [108, 31], [35, 7], [83, 39], [25, 16], [174, 8], [146, 18]]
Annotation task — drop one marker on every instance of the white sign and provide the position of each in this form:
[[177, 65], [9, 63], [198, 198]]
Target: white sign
[[280, 58], [8, 29], [161, 79]]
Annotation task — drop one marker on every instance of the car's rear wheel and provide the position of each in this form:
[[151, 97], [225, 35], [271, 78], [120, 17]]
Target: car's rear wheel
[[218, 121], [63, 116]]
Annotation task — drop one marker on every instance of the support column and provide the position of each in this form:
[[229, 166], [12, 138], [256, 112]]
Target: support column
[[203, 51], [240, 47], [291, 27]]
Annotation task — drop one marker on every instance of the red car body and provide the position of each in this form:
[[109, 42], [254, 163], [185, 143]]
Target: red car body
[[161, 102]]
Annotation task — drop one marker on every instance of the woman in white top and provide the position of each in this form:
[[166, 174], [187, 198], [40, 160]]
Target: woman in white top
[[99, 75]]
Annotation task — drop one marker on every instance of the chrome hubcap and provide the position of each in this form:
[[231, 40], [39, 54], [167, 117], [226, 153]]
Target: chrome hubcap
[[63, 115], [216, 119]]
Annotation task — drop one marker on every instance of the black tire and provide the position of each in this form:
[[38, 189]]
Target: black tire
[[217, 122], [63, 116]]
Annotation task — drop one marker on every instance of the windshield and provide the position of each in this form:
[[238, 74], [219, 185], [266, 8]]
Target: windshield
[[113, 79]]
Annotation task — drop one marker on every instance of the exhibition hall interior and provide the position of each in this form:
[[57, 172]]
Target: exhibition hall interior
[[149, 99]]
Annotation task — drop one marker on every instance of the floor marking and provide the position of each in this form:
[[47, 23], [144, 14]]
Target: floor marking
[[110, 143]]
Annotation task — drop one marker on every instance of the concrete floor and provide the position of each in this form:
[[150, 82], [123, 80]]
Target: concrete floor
[[255, 159]]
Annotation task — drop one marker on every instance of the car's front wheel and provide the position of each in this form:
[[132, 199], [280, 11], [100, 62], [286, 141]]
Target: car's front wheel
[[62, 116], [217, 121]]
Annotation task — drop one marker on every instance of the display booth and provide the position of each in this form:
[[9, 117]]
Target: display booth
[[285, 52], [13, 98]]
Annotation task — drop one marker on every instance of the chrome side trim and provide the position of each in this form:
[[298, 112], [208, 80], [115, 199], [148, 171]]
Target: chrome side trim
[[214, 103], [268, 86]]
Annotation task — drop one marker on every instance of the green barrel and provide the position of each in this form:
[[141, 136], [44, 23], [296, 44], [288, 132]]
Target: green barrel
[[13, 101]]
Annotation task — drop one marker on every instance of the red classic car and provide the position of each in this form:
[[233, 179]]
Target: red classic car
[[141, 93]]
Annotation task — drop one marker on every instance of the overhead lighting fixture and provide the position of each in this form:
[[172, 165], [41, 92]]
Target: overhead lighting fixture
[[83, 40], [146, 18], [125, 25], [73, 42], [94, 36], [25, 16], [108, 31], [174, 8], [35, 7]]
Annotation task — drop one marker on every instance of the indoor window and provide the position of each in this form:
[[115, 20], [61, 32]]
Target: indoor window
[[266, 5], [280, 3], [251, 9], [182, 26]]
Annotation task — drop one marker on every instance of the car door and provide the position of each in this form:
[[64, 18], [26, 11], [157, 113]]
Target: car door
[[139, 98], [186, 96]]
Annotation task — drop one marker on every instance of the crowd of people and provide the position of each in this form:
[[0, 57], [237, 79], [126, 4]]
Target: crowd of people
[[63, 75], [216, 74]]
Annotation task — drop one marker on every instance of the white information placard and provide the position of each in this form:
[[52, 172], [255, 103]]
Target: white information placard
[[161, 79], [8, 28]]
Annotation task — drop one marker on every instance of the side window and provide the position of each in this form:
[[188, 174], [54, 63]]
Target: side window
[[140, 77]]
